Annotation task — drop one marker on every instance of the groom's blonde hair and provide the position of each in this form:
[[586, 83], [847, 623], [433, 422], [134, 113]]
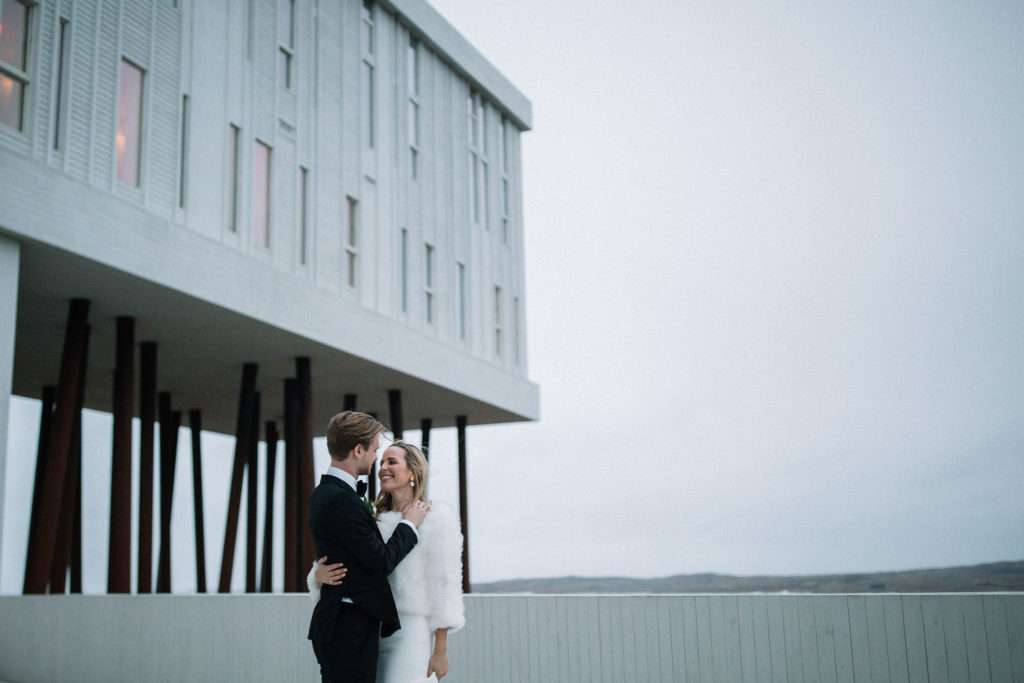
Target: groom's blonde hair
[[349, 429]]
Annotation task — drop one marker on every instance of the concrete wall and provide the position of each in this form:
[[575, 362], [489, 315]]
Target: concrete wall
[[545, 639]]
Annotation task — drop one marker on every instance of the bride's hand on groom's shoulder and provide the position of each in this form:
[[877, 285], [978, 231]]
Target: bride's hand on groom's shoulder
[[416, 512], [330, 574]]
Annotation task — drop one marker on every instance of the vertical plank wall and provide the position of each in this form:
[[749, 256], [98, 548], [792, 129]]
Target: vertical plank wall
[[740, 638], [545, 639]]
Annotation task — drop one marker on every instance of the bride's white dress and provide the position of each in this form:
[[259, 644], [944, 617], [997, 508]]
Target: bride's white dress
[[427, 586]]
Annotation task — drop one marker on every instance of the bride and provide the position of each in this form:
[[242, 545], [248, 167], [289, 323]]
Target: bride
[[427, 584]]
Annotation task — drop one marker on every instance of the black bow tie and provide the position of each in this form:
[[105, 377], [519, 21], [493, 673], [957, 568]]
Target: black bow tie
[[360, 488]]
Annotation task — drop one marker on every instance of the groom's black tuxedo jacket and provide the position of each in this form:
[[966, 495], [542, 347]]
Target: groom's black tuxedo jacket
[[345, 531]]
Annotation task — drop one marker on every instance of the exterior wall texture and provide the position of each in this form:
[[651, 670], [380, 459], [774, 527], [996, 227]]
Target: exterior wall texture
[[512, 639]]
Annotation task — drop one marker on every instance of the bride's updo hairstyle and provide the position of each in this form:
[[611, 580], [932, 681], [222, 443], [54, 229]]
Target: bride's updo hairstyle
[[417, 464]]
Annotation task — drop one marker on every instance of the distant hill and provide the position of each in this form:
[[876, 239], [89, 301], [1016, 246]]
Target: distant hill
[[997, 576]]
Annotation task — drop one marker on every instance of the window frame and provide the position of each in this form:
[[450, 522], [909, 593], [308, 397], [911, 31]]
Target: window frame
[[286, 50], [352, 218], [141, 132], [20, 76]]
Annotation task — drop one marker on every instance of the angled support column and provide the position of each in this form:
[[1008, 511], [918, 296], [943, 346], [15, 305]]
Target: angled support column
[[425, 425], [266, 573], [195, 423], [460, 425], [70, 503], [170, 421], [304, 389], [252, 500], [147, 419], [73, 357], [292, 561], [42, 452], [242, 433], [119, 554]]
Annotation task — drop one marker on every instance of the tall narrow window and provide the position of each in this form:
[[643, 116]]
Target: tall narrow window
[[13, 59], [405, 270], [515, 329], [286, 40], [303, 214], [501, 147], [261, 194], [503, 169], [367, 27], [462, 300], [484, 195], [129, 124], [484, 152], [412, 82], [474, 150], [414, 139], [63, 59], [183, 152], [497, 321], [232, 189], [351, 243], [369, 61], [412, 66], [429, 283]]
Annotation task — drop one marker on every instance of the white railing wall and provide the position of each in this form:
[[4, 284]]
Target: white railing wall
[[544, 639]]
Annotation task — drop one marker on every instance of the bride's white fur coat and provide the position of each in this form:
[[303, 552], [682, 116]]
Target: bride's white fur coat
[[428, 581]]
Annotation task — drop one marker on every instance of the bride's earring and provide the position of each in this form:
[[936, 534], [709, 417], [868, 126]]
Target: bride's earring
[[412, 483]]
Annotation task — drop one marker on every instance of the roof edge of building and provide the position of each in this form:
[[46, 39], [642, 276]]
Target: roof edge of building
[[464, 58]]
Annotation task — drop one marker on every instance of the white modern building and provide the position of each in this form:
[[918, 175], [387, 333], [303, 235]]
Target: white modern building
[[229, 184]]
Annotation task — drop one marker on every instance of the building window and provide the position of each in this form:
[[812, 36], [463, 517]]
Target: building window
[[13, 57], [472, 131], [303, 214], [405, 270], [367, 29], [462, 300], [502, 163], [412, 66], [505, 188], [129, 123], [232, 190], [369, 50], [484, 194], [414, 138], [429, 283], [497, 321], [351, 242], [412, 83], [515, 329], [286, 40], [63, 65], [261, 194], [183, 152]]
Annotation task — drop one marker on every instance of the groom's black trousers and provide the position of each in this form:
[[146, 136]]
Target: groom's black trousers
[[350, 656]]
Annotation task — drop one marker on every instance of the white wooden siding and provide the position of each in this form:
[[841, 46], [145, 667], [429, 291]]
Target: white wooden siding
[[223, 56], [543, 639], [741, 638]]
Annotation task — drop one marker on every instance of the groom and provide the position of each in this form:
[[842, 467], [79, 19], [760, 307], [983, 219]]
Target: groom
[[350, 618]]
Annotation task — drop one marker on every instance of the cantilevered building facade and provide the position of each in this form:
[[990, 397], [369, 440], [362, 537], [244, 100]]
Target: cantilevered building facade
[[247, 215]]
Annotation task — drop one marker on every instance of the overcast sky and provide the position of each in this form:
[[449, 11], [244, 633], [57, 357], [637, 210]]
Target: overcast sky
[[775, 297]]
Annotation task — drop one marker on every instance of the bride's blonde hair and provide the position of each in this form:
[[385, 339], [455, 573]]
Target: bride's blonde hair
[[417, 464]]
